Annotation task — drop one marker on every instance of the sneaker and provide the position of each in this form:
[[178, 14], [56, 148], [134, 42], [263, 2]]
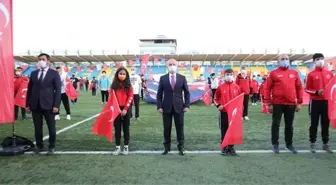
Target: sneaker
[[117, 151], [312, 148], [291, 148], [137, 119], [68, 117], [224, 151], [125, 152], [57, 117], [232, 151], [246, 118], [327, 148], [275, 149], [131, 119]]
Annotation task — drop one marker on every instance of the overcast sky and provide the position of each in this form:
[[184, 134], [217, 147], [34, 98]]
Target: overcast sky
[[205, 26]]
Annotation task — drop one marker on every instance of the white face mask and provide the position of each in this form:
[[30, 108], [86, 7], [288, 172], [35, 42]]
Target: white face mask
[[133, 72], [243, 72], [319, 63], [42, 64], [228, 78], [172, 69]]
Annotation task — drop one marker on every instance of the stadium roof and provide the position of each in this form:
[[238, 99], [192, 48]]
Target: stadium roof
[[110, 57]]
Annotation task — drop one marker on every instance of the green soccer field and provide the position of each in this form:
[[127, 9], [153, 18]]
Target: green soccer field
[[201, 134]]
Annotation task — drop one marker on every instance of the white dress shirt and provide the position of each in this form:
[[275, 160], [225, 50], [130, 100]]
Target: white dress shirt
[[45, 70]]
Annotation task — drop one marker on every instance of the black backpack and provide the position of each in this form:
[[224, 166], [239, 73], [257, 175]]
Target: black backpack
[[22, 145]]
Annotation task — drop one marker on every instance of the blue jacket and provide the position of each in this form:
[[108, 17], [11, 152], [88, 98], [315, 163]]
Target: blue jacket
[[104, 83]]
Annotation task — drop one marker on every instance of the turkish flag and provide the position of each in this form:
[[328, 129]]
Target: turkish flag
[[20, 97], [144, 63], [234, 134], [91, 68], [264, 107], [104, 123], [70, 90], [66, 69], [330, 95], [7, 63], [207, 96]]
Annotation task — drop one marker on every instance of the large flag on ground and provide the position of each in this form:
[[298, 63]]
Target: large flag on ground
[[235, 133], [104, 123], [6, 63], [21, 96], [144, 63], [330, 95], [70, 90]]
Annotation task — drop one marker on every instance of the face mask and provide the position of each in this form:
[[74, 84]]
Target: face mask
[[228, 78], [42, 64], [243, 72], [132, 72], [122, 77], [172, 69], [284, 63], [319, 63], [103, 74]]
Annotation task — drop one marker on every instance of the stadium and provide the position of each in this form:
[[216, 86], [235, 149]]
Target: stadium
[[84, 158]]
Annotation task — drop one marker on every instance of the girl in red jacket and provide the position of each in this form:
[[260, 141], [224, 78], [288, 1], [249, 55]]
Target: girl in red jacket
[[124, 93], [224, 94]]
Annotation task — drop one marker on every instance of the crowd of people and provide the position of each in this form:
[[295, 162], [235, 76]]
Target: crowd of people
[[282, 91]]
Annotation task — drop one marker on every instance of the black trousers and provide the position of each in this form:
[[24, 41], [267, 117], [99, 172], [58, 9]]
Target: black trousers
[[213, 92], [104, 96], [223, 125], [254, 98], [142, 94], [124, 123], [136, 99], [38, 115], [167, 126], [65, 101], [16, 112], [318, 109], [94, 91], [246, 104], [289, 112], [87, 87]]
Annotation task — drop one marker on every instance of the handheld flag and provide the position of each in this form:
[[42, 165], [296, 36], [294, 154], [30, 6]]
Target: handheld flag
[[330, 95], [104, 123], [70, 90], [21, 96], [234, 134]]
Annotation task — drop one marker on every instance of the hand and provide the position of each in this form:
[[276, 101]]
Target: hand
[[160, 110], [320, 92], [123, 113], [27, 109], [186, 109], [220, 107], [270, 108], [298, 108], [55, 110]]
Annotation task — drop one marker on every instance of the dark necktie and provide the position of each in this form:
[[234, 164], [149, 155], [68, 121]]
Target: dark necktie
[[41, 76]]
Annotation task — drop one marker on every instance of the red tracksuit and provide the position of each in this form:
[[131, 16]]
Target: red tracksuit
[[318, 107], [245, 87]]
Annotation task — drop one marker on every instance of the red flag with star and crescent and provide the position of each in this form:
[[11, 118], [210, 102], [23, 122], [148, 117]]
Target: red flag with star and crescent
[[7, 62], [144, 63], [330, 95], [70, 90], [207, 96], [21, 95], [104, 123], [235, 134]]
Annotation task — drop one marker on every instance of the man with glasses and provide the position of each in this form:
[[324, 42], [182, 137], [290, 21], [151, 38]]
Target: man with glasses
[[283, 94]]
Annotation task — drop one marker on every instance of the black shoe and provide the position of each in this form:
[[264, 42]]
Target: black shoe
[[275, 149], [165, 152], [181, 152], [291, 148], [51, 151], [37, 151], [233, 152]]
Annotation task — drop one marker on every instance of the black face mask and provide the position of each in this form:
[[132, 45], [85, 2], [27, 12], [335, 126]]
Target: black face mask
[[264, 79]]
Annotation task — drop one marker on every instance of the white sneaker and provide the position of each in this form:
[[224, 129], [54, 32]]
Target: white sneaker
[[246, 118], [68, 117], [117, 151], [57, 117], [125, 152]]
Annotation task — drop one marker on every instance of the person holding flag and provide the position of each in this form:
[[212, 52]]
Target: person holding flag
[[316, 82], [283, 95], [224, 94], [64, 96], [19, 79], [123, 89]]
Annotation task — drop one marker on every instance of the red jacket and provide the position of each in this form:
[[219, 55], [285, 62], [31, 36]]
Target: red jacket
[[125, 99], [317, 80], [283, 86], [18, 81], [254, 86], [262, 88], [225, 93], [244, 83]]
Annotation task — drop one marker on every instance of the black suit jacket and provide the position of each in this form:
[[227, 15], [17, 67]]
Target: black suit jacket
[[167, 97], [47, 93]]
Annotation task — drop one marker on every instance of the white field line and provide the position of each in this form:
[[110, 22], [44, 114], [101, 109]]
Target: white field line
[[72, 126], [173, 152]]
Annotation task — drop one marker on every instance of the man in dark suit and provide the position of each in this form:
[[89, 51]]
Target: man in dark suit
[[170, 103], [44, 99]]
